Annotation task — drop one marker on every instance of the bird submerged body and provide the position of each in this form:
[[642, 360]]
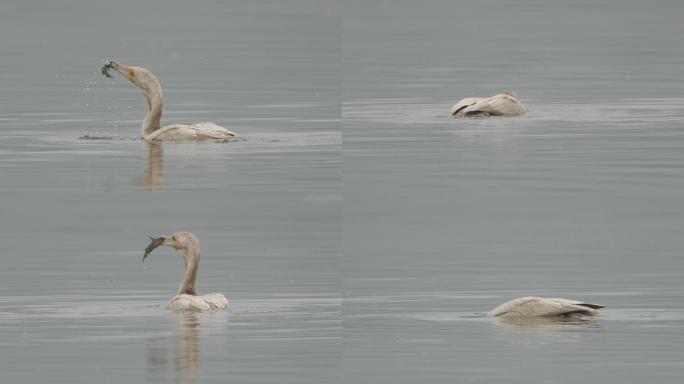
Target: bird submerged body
[[504, 104], [544, 307], [197, 131], [185, 302], [151, 128]]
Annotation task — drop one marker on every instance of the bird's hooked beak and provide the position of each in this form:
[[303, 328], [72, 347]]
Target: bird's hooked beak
[[153, 244], [122, 69]]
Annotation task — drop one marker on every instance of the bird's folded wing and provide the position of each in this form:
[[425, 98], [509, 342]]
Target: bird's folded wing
[[212, 130]]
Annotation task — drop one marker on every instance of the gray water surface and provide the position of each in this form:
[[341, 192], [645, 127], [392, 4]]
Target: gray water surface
[[582, 197], [359, 231], [77, 305]]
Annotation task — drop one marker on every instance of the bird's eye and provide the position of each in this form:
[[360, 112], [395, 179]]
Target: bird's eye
[[130, 73], [173, 238]]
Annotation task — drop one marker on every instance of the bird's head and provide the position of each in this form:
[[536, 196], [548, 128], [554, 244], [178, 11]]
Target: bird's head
[[140, 77], [180, 241]]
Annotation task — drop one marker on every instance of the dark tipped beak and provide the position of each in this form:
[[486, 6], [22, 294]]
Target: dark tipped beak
[[153, 244]]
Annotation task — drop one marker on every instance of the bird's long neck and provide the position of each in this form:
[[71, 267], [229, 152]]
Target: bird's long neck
[[188, 286], [155, 101]]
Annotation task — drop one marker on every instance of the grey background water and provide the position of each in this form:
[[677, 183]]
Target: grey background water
[[76, 304], [582, 197], [441, 220]]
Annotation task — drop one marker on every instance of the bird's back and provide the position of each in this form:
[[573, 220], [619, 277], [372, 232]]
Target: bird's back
[[539, 306], [500, 105], [197, 131], [185, 302], [216, 300], [504, 104]]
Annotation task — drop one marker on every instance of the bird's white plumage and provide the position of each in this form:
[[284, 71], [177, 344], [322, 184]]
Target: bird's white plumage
[[197, 131], [463, 103], [185, 302], [505, 104], [540, 306]]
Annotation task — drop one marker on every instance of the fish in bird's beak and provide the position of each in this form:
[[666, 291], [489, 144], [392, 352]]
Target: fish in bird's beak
[[106, 68], [122, 69], [153, 244]]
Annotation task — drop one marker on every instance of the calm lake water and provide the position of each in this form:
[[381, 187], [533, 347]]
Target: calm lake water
[[359, 231], [582, 197], [77, 305]]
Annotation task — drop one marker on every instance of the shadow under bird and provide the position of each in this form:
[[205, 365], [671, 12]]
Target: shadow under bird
[[504, 104], [544, 307], [187, 298], [148, 83]]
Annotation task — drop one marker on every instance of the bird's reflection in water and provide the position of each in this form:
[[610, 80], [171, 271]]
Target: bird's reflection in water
[[545, 326], [176, 358], [154, 179], [187, 350]]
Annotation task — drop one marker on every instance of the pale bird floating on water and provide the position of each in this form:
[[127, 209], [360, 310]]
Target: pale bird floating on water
[[151, 128], [547, 307], [187, 299], [504, 104]]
